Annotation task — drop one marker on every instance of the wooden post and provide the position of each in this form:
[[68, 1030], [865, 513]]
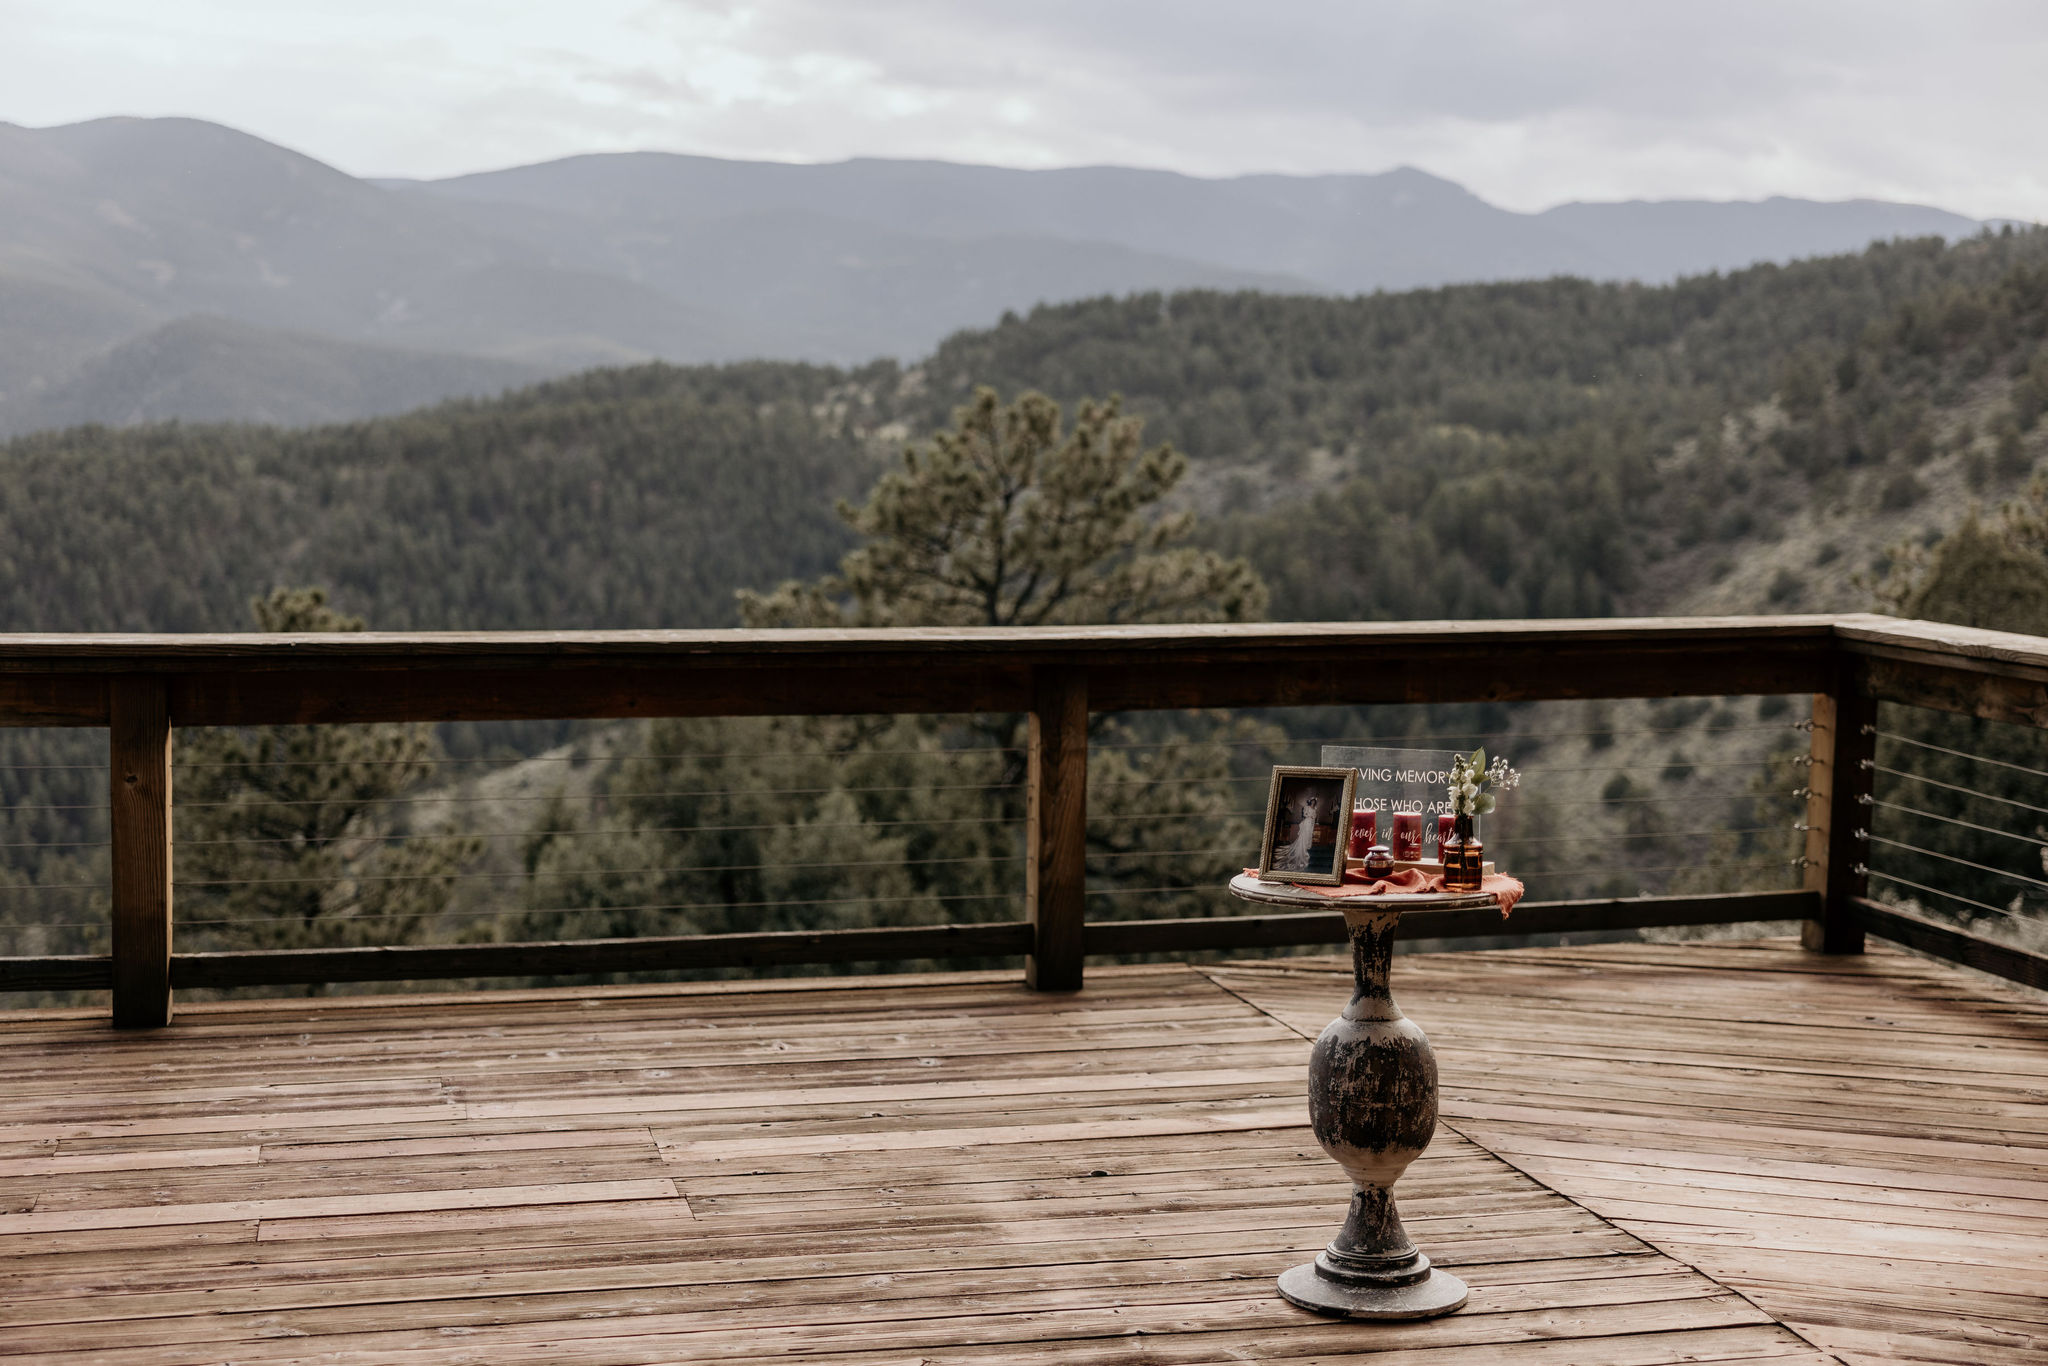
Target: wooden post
[[139, 823], [1839, 782], [1056, 829]]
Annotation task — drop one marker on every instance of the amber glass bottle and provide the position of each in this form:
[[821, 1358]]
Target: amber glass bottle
[[1464, 856]]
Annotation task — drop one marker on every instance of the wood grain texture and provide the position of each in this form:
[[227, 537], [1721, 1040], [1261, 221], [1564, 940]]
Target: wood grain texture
[[422, 963], [1993, 652], [1841, 776], [445, 676], [1056, 830], [1530, 917], [139, 831], [1859, 1144], [1994, 675], [1971, 692], [373, 676], [57, 972], [1820, 796], [1931, 937], [846, 1170], [1029, 646]]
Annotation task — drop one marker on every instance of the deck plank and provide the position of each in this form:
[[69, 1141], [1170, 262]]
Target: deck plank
[[1858, 1144], [858, 1170]]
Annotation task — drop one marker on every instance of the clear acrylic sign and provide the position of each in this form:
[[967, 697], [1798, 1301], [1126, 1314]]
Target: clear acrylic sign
[[1397, 779]]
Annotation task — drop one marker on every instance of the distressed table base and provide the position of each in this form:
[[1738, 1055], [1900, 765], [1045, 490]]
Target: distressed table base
[[1371, 1270], [1372, 1096], [1438, 1292]]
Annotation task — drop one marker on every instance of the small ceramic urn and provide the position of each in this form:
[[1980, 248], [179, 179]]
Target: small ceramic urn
[[1372, 1101]]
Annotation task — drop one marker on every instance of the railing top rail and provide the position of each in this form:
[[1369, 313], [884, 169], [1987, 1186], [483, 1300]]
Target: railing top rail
[[249, 679], [216, 653], [2003, 652]]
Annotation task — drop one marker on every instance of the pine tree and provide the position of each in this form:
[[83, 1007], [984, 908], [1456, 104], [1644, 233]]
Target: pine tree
[[284, 837], [1006, 519]]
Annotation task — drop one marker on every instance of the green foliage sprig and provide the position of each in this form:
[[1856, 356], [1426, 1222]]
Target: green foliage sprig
[[1475, 784]]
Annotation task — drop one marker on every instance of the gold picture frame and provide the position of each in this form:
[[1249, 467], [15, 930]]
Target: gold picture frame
[[1299, 859]]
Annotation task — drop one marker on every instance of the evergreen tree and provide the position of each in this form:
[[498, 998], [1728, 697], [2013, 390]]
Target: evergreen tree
[[1005, 519], [284, 839]]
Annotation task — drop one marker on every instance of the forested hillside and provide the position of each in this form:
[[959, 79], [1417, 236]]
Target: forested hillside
[[1494, 450], [1806, 436], [620, 498], [1544, 448], [117, 233]]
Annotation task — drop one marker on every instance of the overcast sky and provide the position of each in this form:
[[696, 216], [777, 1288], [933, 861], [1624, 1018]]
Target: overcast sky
[[1529, 104]]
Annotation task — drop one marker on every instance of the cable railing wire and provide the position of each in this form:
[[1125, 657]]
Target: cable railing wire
[[588, 759], [1561, 872], [1256, 813], [466, 795], [432, 799], [2034, 840], [843, 755], [1434, 743], [685, 829], [1262, 780], [1744, 865], [1260, 812], [522, 873], [612, 910], [1896, 738], [995, 822], [1936, 891], [1951, 787], [1951, 858], [1507, 842]]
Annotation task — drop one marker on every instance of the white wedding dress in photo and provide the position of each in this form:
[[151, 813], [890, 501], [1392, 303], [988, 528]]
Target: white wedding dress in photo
[[1294, 857]]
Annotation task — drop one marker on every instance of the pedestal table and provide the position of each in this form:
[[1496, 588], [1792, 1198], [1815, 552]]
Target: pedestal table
[[1372, 1103]]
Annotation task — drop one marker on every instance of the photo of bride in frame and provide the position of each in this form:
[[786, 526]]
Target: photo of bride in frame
[[1308, 824]]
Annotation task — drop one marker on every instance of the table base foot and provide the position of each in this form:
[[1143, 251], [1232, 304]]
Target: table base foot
[[1434, 1294]]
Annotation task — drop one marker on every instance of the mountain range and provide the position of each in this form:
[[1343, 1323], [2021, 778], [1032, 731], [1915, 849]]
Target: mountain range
[[155, 268]]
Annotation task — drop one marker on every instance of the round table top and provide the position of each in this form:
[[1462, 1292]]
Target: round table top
[[1248, 888]]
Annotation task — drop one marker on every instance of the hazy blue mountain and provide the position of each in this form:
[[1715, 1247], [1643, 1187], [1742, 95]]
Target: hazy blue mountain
[[1346, 233], [209, 368], [118, 225], [844, 289], [113, 229], [1661, 240]]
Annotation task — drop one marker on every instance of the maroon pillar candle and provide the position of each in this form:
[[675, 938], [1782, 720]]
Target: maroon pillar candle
[[1408, 835], [1443, 832], [1365, 830]]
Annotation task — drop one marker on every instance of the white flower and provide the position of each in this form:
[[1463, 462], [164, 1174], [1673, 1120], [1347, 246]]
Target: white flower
[[1470, 782]]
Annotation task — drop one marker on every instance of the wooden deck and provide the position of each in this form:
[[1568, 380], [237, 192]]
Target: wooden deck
[[1650, 1155], [1859, 1145]]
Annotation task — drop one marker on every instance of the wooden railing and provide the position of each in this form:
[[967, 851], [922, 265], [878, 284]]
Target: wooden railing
[[139, 687]]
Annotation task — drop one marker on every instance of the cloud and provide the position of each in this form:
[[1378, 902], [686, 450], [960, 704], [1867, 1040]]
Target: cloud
[[1527, 103]]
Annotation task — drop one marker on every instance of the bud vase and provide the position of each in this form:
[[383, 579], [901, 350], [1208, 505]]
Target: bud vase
[[1464, 856]]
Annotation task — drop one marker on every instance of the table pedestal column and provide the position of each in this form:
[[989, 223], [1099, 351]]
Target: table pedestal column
[[1372, 1101]]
